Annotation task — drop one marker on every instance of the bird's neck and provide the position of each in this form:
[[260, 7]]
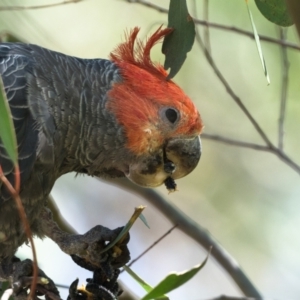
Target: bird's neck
[[86, 132]]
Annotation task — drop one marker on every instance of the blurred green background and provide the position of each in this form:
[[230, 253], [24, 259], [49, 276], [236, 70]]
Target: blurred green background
[[248, 200]]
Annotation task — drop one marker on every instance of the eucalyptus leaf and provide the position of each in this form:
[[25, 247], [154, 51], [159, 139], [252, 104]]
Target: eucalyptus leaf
[[7, 132], [177, 44], [122, 235], [144, 220], [275, 11], [258, 45], [138, 279], [3, 286], [173, 281]]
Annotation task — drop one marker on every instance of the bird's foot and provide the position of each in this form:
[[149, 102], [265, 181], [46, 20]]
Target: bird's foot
[[89, 246], [20, 276], [103, 285], [87, 251]]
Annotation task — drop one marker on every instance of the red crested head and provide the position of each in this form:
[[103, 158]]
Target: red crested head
[[151, 108]]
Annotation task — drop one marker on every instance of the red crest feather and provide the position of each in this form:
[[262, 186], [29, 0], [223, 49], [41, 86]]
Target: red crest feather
[[137, 99], [140, 55]]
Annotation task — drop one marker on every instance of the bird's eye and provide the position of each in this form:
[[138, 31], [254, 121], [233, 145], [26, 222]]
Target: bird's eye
[[171, 114]]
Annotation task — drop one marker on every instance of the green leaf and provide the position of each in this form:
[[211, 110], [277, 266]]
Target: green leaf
[[275, 11], [144, 220], [137, 212], [173, 281], [3, 287], [7, 132], [138, 279], [180, 41], [258, 45]]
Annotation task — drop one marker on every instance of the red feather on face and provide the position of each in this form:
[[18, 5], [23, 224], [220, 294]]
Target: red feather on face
[[144, 93]]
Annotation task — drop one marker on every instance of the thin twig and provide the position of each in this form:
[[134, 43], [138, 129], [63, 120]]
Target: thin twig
[[286, 159], [232, 94], [220, 26], [206, 28], [284, 88], [151, 246], [16, 7], [195, 231], [237, 143], [229, 90], [278, 152]]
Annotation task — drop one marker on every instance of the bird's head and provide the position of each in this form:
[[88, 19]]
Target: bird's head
[[162, 125]]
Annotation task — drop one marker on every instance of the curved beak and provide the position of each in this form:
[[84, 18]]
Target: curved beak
[[178, 158], [185, 155]]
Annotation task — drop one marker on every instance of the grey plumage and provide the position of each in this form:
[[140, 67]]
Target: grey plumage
[[57, 106]]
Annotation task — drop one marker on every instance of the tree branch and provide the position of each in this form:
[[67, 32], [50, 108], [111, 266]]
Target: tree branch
[[206, 28], [220, 26], [230, 91], [194, 230], [279, 153], [284, 88], [232, 142]]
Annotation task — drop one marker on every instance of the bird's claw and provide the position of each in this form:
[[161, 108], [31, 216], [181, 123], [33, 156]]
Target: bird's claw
[[87, 249], [88, 246], [103, 285]]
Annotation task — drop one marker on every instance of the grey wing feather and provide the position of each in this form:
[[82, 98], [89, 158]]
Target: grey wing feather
[[13, 72], [50, 95]]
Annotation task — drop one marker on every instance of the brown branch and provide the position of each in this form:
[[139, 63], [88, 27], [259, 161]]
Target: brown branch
[[194, 230], [220, 26], [232, 142], [286, 159], [279, 153], [206, 28], [16, 7], [284, 88], [230, 91]]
